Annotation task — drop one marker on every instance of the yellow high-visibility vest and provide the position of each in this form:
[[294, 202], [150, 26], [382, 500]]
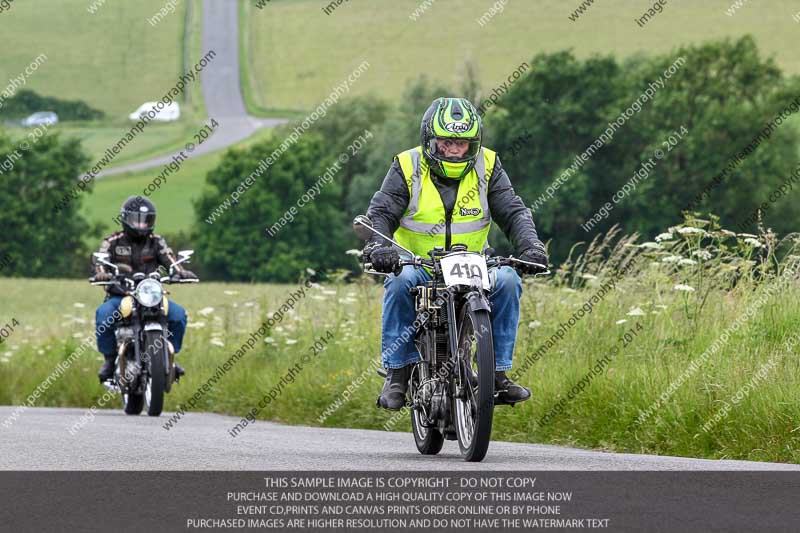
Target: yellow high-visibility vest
[[425, 223]]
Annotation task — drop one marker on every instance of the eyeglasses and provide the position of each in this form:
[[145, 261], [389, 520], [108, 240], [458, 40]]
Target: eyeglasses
[[453, 143]]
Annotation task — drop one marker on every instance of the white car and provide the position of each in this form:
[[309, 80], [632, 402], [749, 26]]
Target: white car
[[42, 118], [168, 113]]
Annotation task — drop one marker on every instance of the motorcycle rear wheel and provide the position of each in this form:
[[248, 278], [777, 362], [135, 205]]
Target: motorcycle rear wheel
[[429, 440]]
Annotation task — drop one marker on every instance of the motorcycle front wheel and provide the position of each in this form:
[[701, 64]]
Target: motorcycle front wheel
[[473, 403], [155, 347]]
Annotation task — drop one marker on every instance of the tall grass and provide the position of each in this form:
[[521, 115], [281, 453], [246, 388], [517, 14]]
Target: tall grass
[[681, 293]]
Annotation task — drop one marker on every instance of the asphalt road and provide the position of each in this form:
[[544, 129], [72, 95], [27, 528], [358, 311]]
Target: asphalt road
[[39, 440], [221, 90]]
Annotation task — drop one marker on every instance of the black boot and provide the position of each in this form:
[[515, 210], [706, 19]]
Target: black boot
[[508, 391], [179, 372], [393, 395], [107, 370]]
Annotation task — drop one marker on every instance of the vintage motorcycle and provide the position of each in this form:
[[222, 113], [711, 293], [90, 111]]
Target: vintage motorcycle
[[145, 367], [451, 390]]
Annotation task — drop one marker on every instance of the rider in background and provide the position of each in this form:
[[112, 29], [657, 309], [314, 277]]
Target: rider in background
[[447, 191], [137, 249]]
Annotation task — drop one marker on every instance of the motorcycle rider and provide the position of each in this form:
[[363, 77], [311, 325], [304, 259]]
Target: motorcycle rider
[[137, 247], [437, 194]]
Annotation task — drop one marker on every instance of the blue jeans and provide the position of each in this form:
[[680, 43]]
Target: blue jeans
[[397, 342], [107, 342]]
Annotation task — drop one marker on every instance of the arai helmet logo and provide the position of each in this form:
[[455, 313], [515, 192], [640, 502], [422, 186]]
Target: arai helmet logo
[[456, 127], [475, 211]]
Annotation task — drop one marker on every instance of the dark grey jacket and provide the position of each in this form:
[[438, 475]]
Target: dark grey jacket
[[506, 208]]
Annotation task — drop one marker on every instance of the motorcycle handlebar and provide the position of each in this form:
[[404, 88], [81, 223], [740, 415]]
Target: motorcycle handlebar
[[495, 261]]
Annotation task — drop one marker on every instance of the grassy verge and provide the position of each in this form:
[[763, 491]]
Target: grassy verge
[[668, 329]]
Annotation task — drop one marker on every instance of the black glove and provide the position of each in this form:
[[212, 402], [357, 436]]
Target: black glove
[[103, 276], [385, 259], [186, 274], [533, 255]]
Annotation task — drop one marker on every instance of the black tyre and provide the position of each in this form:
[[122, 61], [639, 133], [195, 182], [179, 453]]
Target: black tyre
[[155, 348], [429, 440], [473, 404]]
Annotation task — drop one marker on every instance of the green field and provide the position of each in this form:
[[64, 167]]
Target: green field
[[296, 54], [123, 62], [174, 200], [112, 59], [668, 329]]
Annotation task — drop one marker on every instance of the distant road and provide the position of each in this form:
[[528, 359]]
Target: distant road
[[40, 440], [221, 90]]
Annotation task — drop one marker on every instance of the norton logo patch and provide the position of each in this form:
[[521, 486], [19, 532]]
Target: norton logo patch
[[123, 250], [456, 127], [475, 211]]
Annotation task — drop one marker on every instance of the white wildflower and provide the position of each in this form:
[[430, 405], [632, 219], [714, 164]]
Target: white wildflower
[[329, 292], [705, 255], [269, 340], [76, 335], [650, 245], [687, 262], [279, 329], [318, 297], [40, 352], [660, 306], [206, 311], [588, 276], [621, 321], [291, 341], [217, 342], [230, 293], [682, 287], [79, 305], [671, 259], [311, 271], [249, 304], [688, 230], [748, 235], [198, 325], [636, 311], [664, 237], [534, 324], [753, 242]]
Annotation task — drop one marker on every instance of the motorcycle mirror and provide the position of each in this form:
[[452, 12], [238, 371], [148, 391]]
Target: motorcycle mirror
[[186, 253], [102, 256], [362, 227]]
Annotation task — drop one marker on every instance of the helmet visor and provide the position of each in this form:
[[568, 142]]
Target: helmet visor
[[454, 150], [138, 220]]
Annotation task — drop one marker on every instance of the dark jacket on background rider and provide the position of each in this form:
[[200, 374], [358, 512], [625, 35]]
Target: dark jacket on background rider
[[507, 209], [141, 255]]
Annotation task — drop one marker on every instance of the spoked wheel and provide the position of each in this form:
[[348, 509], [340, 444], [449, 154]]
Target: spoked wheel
[[156, 383], [429, 440], [474, 399]]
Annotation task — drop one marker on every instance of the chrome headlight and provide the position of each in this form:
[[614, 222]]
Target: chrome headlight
[[149, 293]]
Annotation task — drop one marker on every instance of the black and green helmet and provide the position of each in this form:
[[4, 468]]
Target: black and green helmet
[[451, 118]]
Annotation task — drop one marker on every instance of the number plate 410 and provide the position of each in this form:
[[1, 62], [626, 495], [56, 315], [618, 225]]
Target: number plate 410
[[465, 269]]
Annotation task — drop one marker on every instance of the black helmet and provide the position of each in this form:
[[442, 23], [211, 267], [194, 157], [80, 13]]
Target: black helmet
[[138, 216], [456, 119]]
